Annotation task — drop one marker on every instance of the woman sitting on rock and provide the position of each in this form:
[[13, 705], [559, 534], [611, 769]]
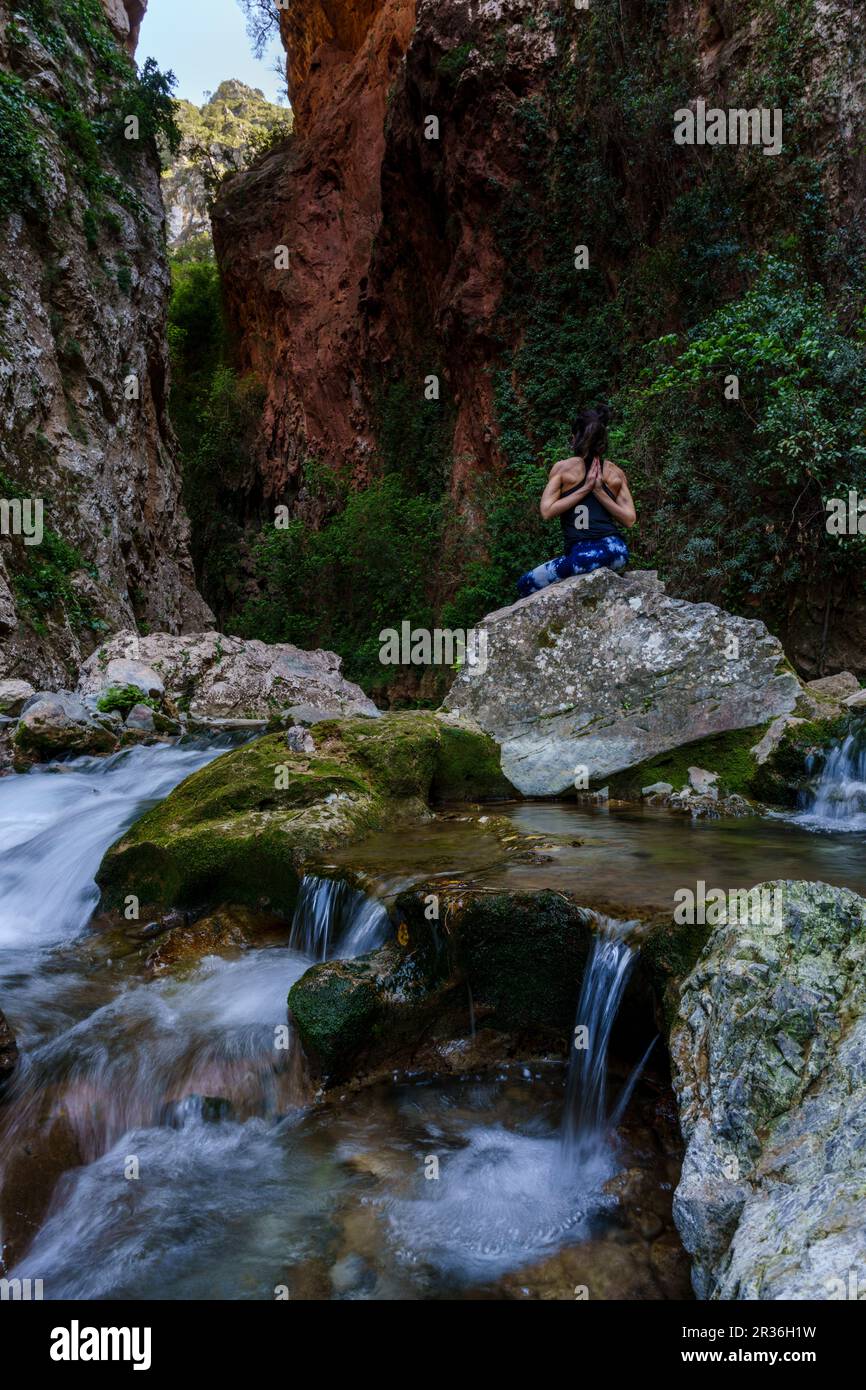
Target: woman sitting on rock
[[590, 495]]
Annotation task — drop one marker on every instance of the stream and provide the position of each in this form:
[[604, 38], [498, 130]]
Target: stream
[[156, 1143]]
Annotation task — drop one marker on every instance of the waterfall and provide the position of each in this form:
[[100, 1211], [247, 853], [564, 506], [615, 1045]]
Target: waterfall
[[333, 918], [57, 823], [586, 1122], [838, 801]]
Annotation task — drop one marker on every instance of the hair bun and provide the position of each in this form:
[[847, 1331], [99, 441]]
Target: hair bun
[[603, 413]]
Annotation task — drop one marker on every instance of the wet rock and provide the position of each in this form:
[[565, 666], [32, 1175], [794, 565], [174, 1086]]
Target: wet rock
[[243, 828], [511, 961], [657, 789], [787, 769], [54, 724], [350, 1014], [606, 671], [214, 676], [855, 701], [8, 1051], [228, 930], [14, 695], [769, 1058]]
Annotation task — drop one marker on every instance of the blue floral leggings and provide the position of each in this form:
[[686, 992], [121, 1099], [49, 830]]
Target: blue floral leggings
[[610, 552]]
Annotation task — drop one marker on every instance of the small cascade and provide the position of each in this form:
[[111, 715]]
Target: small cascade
[[838, 800], [586, 1121], [334, 919]]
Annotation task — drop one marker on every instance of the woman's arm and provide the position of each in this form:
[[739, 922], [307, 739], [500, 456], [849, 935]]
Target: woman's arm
[[552, 501], [621, 507]]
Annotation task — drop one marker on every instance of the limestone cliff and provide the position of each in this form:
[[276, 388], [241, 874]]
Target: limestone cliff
[[446, 247], [83, 363], [225, 133]]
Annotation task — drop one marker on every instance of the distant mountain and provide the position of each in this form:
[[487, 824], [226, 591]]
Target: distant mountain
[[234, 126]]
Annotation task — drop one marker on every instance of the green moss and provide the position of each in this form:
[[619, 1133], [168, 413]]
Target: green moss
[[453, 63], [22, 166], [468, 768], [242, 828], [727, 754], [668, 955], [785, 774], [336, 1007]]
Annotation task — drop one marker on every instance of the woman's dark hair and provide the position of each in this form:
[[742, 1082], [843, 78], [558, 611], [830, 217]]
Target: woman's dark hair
[[589, 433]]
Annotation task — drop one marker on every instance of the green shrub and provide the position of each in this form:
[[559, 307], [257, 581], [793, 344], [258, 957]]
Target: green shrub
[[368, 568], [731, 492], [123, 698], [22, 164]]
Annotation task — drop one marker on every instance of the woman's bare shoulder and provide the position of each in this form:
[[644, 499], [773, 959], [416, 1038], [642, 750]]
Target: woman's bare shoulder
[[614, 471]]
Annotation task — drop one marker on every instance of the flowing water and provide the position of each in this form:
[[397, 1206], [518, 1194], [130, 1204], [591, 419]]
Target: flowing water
[[838, 799], [161, 1140]]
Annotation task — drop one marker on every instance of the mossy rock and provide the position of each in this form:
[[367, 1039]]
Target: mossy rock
[[730, 755], [468, 768], [521, 954], [518, 957], [785, 774], [668, 955], [354, 1015], [243, 828]]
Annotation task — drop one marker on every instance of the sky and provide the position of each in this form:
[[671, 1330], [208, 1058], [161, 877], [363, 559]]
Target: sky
[[204, 42]]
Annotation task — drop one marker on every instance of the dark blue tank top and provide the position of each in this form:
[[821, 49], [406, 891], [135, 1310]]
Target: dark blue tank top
[[598, 520]]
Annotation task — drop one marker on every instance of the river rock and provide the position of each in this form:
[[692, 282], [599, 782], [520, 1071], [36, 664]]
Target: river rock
[[855, 701], [604, 671], [8, 1051], [140, 719], [704, 783], [657, 789], [56, 723], [513, 960], [241, 830], [14, 695], [835, 687], [217, 677], [767, 745], [769, 1058]]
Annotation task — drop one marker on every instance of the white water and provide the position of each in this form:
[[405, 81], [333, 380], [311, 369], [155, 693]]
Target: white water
[[587, 1125], [838, 801], [192, 1078], [334, 919], [56, 824]]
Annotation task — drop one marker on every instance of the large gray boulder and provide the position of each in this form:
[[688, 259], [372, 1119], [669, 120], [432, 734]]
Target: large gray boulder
[[212, 676], [604, 671], [53, 723], [769, 1059]]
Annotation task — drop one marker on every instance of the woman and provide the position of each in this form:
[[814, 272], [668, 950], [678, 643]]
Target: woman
[[591, 497]]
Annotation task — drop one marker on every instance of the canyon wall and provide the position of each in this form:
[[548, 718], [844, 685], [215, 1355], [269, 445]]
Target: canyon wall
[[408, 256], [83, 360]]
